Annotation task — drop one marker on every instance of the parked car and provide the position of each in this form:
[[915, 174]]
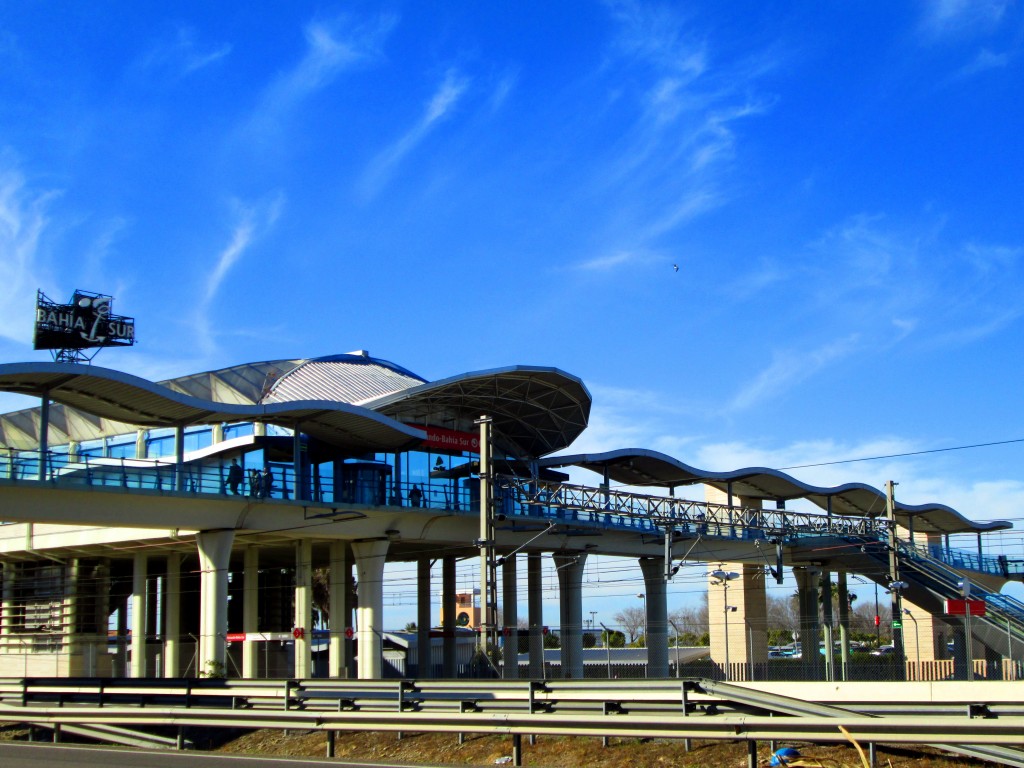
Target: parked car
[[884, 650]]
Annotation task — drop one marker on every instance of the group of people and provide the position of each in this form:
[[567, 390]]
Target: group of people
[[261, 484]]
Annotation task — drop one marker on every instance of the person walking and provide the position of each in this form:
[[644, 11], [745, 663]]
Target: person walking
[[235, 476]]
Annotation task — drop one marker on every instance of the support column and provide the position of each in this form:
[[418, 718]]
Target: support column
[[303, 609], [138, 603], [250, 612], [44, 436], [214, 562], [656, 620], [337, 662], [570, 611], [448, 617], [172, 616], [70, 622], [179, 458], [370, 557], [7, 606], [424, 656], [826, 614], [807, 582], [535, 610], [510, 614], [843, 599]]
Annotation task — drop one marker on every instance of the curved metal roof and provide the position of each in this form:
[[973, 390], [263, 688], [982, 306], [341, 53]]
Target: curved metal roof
[[350, 378], [642, 467], [129, 400], [535, 410]]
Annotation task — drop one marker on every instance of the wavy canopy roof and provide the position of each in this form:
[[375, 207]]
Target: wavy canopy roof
[[645, 468], [535, 410], [92, 393]]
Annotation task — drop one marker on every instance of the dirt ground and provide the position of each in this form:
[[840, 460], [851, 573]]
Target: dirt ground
[[564, 752]]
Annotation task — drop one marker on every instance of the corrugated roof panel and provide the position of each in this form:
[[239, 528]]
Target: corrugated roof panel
[[341, 381]]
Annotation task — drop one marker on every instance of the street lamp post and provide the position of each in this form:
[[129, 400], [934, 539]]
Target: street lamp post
[[723, 578], [643, 597]]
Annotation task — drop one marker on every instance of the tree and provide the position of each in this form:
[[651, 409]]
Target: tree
[[614, 639], [589, 640], [633, 620]]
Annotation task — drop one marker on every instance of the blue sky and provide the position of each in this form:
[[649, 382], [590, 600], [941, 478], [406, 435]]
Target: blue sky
[[456, 187]]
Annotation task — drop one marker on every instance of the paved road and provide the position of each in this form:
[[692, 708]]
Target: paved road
[[54, 756]]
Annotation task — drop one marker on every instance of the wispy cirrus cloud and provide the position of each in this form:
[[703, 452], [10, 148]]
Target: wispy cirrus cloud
[[182, 54], [23, 220], [444, 100], [332, 47], [252, 221], [944, 19], [788, 368]]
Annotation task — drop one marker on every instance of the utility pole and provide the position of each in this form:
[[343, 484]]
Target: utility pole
[[488, 580], [895, 585]]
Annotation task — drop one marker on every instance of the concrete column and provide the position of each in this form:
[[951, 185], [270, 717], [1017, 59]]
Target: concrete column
[[337, 661], [304, 609], [138, 602], [449, 649], [250, 611], [826, 621], [70, 628], [656, 620], [214, 562], [570, 586], [808, 580], [843, 599], [172, 616], [535, 609], [140, 443], [370, 557], [742, 630], [350, 621], [7, 605], [424, 666], [510, 618]]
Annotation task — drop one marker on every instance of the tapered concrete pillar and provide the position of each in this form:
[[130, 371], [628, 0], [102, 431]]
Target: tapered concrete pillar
[[510, 614], [738, 609], [370, 557], [843, 605], [449, 649], [250, 612], [71, 610], [7, 605], [341, 572], [303, 619], [424, 665], [808, 581], [570, 586], [826, 625], [138, 605], [535, 610], [214, 562], [656, 621], [172, 616]]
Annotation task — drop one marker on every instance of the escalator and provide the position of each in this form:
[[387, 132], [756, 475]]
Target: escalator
[[930, 582]]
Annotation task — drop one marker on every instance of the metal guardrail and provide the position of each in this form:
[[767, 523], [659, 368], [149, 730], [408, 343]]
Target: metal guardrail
[[654, 709]]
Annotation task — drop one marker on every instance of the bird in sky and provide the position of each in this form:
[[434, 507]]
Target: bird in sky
[[675, 267]]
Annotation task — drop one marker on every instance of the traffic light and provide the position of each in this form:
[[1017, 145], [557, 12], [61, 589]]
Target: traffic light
[[878, 620]]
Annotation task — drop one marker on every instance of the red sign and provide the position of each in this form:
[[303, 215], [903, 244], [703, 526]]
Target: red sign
[[298, 632], [349, 633], [959, 607], [449, 439], [235, 637]]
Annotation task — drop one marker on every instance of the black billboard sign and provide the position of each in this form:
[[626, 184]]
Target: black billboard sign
[[86, 323]]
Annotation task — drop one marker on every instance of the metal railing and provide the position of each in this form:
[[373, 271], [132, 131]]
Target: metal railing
[[519, 497], [649, 709]]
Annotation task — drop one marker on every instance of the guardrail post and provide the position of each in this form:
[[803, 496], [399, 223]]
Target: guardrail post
[[871, 755], [287, 694], [330, 743], [517, 749], [751, 754]]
